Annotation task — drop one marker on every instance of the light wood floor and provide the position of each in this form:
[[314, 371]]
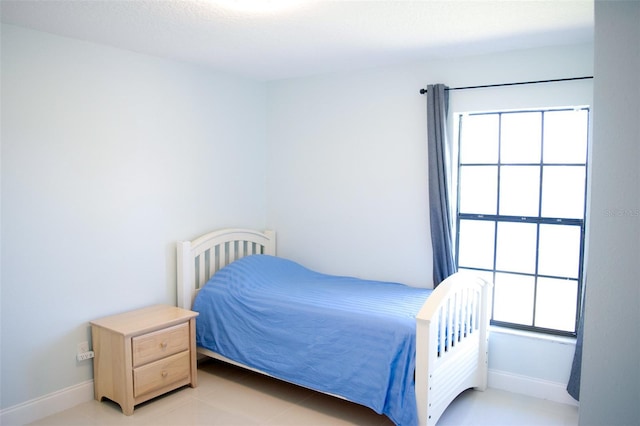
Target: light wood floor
[[227, 395]]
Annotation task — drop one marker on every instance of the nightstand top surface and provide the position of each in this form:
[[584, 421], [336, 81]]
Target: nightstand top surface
[[145, 320]]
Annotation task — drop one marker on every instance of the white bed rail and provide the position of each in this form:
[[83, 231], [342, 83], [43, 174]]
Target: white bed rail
[[451, 343], [199, 259]]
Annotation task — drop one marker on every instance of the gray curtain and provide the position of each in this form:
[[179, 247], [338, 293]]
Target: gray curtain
[[439, 172], [573, 387]]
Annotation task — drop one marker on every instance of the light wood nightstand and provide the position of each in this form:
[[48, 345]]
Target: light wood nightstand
[[144, 353]]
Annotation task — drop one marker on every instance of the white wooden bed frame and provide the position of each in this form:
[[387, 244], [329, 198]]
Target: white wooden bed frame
[[447, 363]]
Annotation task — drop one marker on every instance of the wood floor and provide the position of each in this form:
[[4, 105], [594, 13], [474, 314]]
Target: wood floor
[[227, 395]]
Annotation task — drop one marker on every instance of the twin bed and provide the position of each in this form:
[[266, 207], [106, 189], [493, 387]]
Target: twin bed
[[404, 352]]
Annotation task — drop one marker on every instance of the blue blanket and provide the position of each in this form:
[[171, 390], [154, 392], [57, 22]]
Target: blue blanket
[[340, 335]]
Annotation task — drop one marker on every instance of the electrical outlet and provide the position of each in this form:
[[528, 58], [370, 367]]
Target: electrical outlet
[[84, 352], [85, 355]]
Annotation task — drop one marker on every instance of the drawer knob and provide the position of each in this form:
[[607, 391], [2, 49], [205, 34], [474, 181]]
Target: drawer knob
[[164, 373], [164, 345]]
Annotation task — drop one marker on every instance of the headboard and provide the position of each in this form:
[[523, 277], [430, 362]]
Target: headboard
[[199, 259]]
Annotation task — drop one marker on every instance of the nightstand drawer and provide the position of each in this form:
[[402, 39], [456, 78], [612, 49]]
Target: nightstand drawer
[[161, 373], [153, 346]]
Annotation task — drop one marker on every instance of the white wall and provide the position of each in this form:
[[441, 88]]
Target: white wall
[[347, 154], [108, 158], [346, 175], [610, 388], [347, 189]]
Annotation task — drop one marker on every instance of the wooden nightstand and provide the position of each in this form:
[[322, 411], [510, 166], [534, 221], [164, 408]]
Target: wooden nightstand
[[144, 353]]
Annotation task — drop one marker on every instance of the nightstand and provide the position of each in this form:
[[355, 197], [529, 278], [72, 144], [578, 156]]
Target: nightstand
[[144, 353]]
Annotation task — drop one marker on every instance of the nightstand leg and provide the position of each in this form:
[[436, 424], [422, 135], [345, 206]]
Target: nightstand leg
[[127, 409]]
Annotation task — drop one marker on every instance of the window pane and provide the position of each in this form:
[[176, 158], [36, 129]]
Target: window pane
[[519, 190], [478, 189], [479, 138], [476, 244], [559, 252], [513, 299], [565, 136], [556, 304], [516, 250], [563, 189], [520, 137]]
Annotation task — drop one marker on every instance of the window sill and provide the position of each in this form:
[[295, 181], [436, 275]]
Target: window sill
[[533, 335]]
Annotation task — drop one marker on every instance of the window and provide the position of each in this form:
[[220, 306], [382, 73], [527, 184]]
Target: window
[[521, 211]]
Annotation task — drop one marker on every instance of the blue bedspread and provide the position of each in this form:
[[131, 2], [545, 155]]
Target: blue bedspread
[[339, 335]]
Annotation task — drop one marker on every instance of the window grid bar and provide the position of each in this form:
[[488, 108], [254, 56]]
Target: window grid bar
[[523, 219], [495, 223], [537, 266], [524, 274], [524, 164]]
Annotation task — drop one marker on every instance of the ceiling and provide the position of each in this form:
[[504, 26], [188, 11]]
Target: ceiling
[[306, 37]]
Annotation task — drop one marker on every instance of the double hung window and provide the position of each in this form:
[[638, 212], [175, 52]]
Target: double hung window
[[522, 182]]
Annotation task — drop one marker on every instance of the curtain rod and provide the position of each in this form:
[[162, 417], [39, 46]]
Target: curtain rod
[[423, 91]]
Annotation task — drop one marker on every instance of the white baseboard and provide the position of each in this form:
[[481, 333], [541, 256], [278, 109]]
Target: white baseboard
[[47, 405], [530, 386]]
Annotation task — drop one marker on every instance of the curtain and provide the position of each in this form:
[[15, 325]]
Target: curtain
[[573, 387], [439, 177]]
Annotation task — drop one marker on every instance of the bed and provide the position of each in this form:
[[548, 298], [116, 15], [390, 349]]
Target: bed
[[402, 351]]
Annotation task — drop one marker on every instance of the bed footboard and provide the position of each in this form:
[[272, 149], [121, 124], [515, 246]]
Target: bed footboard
[[451, 343]]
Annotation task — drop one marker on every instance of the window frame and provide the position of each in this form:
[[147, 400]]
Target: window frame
[[537, 220]]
